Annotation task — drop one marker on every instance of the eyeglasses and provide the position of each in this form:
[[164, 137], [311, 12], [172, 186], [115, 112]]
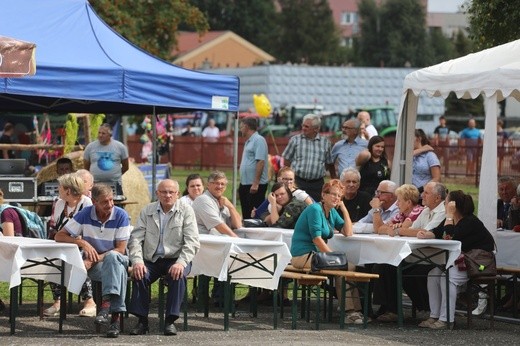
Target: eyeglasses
[[379, 192]]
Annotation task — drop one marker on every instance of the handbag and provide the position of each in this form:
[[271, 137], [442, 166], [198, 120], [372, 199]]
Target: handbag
[[328, 260], [480, 263]]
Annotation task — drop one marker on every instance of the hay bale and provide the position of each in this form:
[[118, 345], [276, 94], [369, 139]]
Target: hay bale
[[49, 173], [135, 189]]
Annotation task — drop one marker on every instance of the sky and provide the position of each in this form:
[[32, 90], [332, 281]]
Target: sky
[[444, 5]]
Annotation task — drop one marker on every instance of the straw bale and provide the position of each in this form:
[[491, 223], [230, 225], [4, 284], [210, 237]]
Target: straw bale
[[48, 172], [135, 189]]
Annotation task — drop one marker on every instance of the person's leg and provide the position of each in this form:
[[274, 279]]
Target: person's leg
[[113, 278], [175, 297], [415, 285], [385, 288], [303, 261], [140, 301], [245, 202], [434, 292]]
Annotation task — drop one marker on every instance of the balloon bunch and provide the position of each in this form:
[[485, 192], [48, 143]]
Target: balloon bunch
[[262, 105]]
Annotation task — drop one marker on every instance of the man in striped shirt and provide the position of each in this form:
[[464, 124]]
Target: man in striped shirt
[[102, 231], [309, 154]]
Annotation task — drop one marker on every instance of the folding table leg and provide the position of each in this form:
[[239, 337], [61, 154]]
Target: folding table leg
[[13, 308]]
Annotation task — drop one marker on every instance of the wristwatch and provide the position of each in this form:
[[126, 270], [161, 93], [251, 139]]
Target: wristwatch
[[377, 210], [396, 231]]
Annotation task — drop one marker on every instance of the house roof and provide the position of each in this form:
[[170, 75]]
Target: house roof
[[190, 44]]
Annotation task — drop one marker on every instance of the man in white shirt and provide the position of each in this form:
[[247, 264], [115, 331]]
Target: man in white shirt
[[384, 208]]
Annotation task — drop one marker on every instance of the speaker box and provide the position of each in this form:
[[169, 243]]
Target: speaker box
[[18, 189]]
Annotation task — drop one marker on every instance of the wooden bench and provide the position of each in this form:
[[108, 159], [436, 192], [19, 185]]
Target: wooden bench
[[356, 279], [514, 275], [307, 281]]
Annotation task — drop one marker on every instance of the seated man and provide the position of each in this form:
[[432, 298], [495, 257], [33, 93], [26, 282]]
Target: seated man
[[506, 192], [356, 201], [415, 277], [384, 208], [284, 209], [214, 212], [164, 242], [102, 231]]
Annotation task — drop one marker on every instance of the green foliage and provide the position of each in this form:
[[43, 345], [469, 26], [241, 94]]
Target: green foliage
[[151, 24], [307, 33], [493, 22], [252, 20]]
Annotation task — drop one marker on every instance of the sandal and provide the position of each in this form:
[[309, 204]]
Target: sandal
[[354, 318], [88, 311], [52, 311]]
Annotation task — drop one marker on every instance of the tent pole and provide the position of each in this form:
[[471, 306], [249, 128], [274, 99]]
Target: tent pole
[[154, 151], [235, 159]]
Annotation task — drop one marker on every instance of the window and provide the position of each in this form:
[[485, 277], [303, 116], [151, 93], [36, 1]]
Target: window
[[348, 18]]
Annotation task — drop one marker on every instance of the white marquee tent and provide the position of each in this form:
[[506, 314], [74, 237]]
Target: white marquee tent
[[494, 73]]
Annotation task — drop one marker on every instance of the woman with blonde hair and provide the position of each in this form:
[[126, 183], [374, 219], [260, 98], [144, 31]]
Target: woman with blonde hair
[[409, 210], [72, 200]]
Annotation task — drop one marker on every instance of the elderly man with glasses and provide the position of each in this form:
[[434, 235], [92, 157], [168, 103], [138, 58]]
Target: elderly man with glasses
[[384, 208], [344, 152]]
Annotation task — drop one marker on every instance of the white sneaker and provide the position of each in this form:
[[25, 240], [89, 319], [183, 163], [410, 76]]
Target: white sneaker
[[481, 307]]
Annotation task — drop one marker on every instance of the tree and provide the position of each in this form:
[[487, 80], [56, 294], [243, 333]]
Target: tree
[[369, 44], [252, 20], [493, 22], [307, 33], [442, 47], [151, 24]]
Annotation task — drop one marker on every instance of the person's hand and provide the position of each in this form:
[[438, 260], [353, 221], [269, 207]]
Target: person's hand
[[224, 202], [500, 223], [515, 203], [254, 188], [424, 235], [253, 212], [88, 264], [89, 252], [271, 198], [450, 209], [176, 271], [375, 203], [138, 271]]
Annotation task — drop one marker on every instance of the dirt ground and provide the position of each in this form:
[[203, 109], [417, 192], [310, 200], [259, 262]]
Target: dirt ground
[[247, 330]]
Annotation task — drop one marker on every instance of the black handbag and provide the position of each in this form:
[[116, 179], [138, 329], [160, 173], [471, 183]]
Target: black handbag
[[328, 260], [480, 263]]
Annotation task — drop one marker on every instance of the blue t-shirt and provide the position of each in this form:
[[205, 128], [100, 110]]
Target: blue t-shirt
[[311, 224], [468, 133], [421, 173]]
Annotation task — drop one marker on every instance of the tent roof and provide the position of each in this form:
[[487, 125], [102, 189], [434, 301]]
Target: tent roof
[[492, 70], [85, 66]]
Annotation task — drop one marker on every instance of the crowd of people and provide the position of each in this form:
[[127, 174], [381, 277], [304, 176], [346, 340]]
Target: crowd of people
[[359, 197]]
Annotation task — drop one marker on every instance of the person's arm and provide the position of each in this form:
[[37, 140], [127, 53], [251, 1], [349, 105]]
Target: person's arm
[[64, 237], [275, 210], [362, 157], [224, 229], [387, 229], [120, 247], [332, 170], [124, 165], [259, 168], [422, 149], [8, 229], [321, 245], [347, 226], [236, 219], [377, 209], [86, 164], [435, 171]]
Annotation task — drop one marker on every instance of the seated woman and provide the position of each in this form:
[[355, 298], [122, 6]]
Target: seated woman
[[194, 188], [10, 219], [285, 175], [462, 225], [72, 200], [315, 226], [385, 294], [409, 209], [284, 208]]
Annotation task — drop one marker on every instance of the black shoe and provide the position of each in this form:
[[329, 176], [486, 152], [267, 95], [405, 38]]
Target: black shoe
[[170, 329], [139, 329], [102, 317], [113, 330], [2, 305]]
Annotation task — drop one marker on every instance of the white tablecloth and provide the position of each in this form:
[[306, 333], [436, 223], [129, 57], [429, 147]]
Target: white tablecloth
[[16, 251], [267, 233], [508, 249], [216, 258], [373, 248]]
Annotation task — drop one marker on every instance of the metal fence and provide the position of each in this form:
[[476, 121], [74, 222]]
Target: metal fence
[[199, 153]]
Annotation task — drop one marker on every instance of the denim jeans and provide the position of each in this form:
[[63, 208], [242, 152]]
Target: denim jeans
[[112, 273]]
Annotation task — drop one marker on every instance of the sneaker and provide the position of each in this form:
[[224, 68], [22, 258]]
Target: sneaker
[[438, 325], [387, 317], [427, 323], [354, 318], [103, 317], [481, 307]]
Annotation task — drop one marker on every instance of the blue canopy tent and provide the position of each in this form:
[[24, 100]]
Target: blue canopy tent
[[85, 66]]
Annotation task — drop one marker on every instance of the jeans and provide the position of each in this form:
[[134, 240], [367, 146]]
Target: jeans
[[112, 272]]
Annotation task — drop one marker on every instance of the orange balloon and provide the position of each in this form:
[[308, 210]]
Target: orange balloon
[[262, 105]]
